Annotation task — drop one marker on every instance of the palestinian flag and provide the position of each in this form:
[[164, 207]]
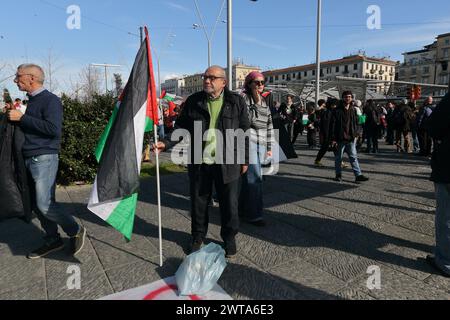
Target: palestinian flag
[[167, 96], [119, 152]]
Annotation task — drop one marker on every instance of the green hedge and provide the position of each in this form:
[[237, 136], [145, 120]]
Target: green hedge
[[84, 123]]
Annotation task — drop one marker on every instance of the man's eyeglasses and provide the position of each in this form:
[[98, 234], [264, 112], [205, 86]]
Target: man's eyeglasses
[[211, 78], [259, 83]]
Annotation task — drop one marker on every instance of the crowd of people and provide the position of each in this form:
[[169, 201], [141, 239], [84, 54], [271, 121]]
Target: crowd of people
[[337, 125]]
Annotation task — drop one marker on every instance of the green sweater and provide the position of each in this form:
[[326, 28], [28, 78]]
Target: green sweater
[[214, 108]]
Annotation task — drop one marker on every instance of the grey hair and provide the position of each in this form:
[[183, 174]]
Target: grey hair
[[40, 72]]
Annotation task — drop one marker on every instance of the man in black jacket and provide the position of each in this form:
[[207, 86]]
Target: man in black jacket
[[214, 112], [343, 136], [439, 129]]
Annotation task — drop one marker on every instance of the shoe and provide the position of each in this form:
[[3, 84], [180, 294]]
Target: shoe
[[432, 261], [46, 249], [77, 242], [338, 179], [361, 178], [196, 245], [257, 223], [230, 249], [318, 164]]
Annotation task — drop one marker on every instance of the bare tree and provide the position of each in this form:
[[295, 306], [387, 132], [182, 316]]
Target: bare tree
[[89, 83], [118, 83], [51, 65]]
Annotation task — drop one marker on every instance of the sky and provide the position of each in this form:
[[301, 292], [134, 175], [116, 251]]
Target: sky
[[267, 33]]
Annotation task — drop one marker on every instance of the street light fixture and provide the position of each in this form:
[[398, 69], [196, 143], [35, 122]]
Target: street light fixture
[[209, 38], [106, 66]]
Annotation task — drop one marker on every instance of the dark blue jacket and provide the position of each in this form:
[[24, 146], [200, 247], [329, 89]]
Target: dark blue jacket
[[42, 125], [439, 129]]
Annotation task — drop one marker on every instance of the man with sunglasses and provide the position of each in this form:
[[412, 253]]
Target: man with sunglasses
[[212, 112], [42, 127], [344, 131]]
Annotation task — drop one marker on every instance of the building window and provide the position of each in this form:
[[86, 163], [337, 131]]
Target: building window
[[314, 72], [271, 79], [346, 69], [277, 78], [306, 73], [414, 71], [355, 66], [447, 42], [283, 77], [426, 69], [445, 53], [299, 75], [337, 69], [288, 77]]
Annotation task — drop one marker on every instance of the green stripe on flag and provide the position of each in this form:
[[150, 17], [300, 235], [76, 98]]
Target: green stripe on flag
[[104, 137], [122, 218], [149, 124]]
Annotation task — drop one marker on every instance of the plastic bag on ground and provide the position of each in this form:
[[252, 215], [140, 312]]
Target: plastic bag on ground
[[201, 270]]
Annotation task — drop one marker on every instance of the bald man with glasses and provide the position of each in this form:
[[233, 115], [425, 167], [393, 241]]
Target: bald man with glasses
[[215, 110], [42, 127]]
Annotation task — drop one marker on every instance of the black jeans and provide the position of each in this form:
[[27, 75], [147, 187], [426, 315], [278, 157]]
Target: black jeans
[[201, 179], [425, 142], [372, 139], [312, 137], [324, 149]]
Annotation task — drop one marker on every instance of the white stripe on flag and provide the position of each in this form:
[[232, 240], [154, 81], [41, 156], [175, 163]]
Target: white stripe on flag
[[139, 130]]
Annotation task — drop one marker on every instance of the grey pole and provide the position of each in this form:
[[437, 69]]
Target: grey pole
[[230, 44], [319, 18], [141, 32]]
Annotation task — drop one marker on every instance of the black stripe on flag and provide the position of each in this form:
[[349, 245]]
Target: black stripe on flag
[[118, 174]]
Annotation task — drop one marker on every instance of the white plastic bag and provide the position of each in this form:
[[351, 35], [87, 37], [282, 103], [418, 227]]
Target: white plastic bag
[[201, 270]]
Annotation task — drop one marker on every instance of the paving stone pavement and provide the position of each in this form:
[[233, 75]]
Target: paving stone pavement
[[320, 240]]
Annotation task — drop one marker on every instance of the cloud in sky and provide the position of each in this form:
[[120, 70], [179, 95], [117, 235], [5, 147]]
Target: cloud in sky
[[177, 6], [260, 43], [407, 37]]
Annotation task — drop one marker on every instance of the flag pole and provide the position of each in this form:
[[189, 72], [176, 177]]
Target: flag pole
[[158, 180], [159, 195]]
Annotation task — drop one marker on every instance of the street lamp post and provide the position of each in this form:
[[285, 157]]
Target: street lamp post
[[230, 43], [106, 66], [209, 38], [319, 18]]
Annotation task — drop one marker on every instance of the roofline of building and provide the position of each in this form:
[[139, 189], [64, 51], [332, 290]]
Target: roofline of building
[[331, 62], [443, 35]]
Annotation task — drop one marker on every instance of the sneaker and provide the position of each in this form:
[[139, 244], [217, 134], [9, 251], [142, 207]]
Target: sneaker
[[196, 245], [361, 178], [432, 261], [338, 179], [77, 242], [230, 249], [318, 164], [46, 249]]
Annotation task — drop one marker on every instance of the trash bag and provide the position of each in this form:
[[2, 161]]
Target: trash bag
[[201, 270]]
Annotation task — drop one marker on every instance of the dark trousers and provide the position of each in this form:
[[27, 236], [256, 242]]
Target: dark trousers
[[202, 177], [325, 147], [425, 142], [372, 139], [298, 129], [390, 135], [311, 137]]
